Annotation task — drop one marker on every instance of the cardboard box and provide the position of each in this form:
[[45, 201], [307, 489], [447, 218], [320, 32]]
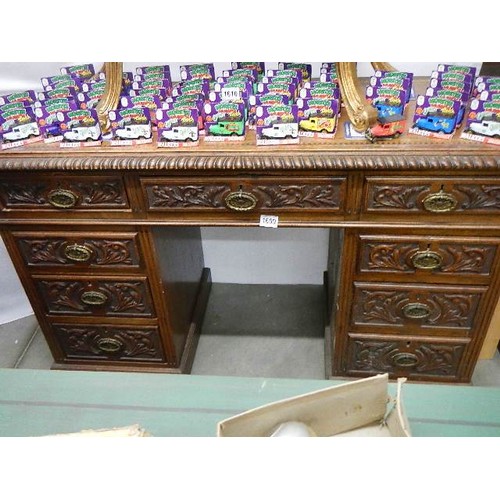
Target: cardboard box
[[360, 408]]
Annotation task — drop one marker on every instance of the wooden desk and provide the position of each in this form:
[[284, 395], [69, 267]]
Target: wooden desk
[[44, 402], [106, 241]]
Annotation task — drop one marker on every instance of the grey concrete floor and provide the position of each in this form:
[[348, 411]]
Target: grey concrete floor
[[245, 333]]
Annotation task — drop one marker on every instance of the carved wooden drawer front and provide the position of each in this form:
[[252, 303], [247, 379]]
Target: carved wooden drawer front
[[96, 297], [432, 196], [84, 250], [63, 193], [424, 309], [114, 343], [420, 256], [245, 194], [404, 358]]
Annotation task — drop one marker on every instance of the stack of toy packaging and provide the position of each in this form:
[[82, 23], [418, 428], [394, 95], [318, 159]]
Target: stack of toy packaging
[[439, 112], [18, 125], [483, 119], [179, 118]]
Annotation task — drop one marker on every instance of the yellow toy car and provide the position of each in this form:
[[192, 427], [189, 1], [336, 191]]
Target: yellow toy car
[[318, 124]]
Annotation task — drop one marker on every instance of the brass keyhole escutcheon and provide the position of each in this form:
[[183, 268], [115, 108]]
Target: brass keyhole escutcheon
[[426, 260], [241, 201], [416, 310], [405, 360], [109, 345], [62, 198], [440, 202], [78, 253], [93, 298]]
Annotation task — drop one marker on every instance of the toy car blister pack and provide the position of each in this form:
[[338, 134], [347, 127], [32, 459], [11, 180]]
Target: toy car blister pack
[[483, 122], [46, 113], [317, 117], [259, 67], [28, 97], [149, 101], [224, 120], [435, 117], [304, 68], [130, 126], [177, 127], [277, 124], [387, 101], [80, 128], [197, 72], [18, 127], [83, 71]]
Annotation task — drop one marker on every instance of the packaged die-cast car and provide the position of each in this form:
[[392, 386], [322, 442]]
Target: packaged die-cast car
[[281, 131], [21, 132], [180, 133], [387, 127]]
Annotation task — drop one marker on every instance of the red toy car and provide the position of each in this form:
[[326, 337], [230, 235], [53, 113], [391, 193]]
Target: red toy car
[[388, 127]]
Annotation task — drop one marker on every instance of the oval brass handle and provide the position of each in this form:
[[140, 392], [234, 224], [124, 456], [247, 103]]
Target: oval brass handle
[[62, 198], [405, 360], [78, 253], [93, 298], [108, 344], [416, 310], [240, 201], [427, 260], [440, 202]]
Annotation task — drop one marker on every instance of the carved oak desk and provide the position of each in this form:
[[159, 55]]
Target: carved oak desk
[[106, 241]]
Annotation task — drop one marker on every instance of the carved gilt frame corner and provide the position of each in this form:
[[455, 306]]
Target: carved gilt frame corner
[[361, 114]]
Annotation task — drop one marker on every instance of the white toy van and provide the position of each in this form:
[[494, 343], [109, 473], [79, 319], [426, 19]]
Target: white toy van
[[281, 131], [134, 131], [21, 132], [180, 134], [489, 128], [81, 133]]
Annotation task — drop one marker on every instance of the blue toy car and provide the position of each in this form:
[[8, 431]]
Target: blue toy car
[[437, 123]]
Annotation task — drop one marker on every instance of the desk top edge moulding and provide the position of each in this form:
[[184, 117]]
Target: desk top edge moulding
[[107, 242]]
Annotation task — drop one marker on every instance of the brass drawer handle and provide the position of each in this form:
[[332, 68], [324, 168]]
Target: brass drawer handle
[[440, 202], [416, 310], [240, 201], [405, 360], [93, 298], [110, 345], [78, 253], [427, 260], [62, 198]]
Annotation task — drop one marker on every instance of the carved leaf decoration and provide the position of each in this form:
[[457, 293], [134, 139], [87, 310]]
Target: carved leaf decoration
[[21, 194], [479, 197], [114, 252], [188, 196], [402, 197], [302, 196], [387, 256], [102, 193]]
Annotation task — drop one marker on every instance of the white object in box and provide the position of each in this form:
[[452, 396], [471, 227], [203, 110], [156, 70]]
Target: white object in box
[[360, 408]]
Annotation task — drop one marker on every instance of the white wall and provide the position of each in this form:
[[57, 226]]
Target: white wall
[[237, 255]]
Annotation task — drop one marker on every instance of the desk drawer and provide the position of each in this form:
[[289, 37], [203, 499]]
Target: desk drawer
[[420, 257], [245, 194], [418, 309], [79, 250], [432, 196], [109, 343], [63, 193], [417, 359], [92, 296]]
